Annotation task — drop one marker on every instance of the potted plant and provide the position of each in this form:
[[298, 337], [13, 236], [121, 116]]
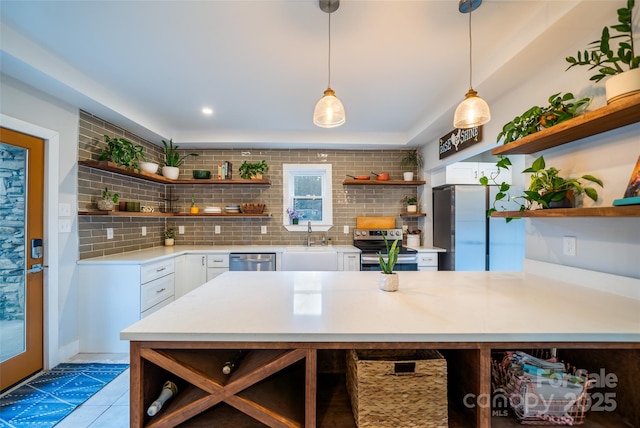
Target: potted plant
[[620, 62], [560, 109], [388, 280], [294, 216], [172, 160], [194, 209], [412, 203], [547, 189], [122, 152], [169, 236], [253, 171], [413, 160], [108, 201]]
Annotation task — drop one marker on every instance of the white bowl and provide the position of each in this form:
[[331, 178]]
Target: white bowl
[[151, 167]]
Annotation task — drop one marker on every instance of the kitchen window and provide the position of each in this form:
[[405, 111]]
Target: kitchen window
[[307, 189]]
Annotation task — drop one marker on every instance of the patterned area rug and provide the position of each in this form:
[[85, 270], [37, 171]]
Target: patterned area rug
[[47, 399]]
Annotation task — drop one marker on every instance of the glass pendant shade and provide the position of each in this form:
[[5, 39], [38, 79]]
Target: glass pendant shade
[[329, 111], [472, 112]]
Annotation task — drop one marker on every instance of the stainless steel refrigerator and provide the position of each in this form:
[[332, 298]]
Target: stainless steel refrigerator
[[473, 241]]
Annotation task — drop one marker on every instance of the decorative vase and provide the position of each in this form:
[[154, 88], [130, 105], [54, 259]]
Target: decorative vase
[[168, 242], [170, 172], [412, 208], [194, 210], [622, 85], [388, 282], [105, 205], [408, 176]]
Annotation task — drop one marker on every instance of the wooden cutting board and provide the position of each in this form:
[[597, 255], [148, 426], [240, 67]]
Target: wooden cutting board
[[375, 222]]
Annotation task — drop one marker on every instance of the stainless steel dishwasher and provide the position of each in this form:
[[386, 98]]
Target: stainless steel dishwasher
[[252, 261]]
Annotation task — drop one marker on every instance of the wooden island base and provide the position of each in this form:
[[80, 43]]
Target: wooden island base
[[303, 384]]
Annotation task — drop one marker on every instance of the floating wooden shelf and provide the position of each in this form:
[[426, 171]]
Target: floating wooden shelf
[[381, 183], [159, 214], [413, 215], [622, 211], [111, 167], [615, 115]]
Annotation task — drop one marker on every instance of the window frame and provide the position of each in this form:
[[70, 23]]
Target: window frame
[[288, 172]]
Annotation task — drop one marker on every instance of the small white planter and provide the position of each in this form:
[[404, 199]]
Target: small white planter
[[408, 176], [388, 282], [412, 208], [105, 204], [622, 85], [168, 242], [170, 172]]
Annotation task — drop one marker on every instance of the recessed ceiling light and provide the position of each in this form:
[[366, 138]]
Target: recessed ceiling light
[[207, 110]]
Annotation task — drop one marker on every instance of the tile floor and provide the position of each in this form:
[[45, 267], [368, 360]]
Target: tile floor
[[109, 407]]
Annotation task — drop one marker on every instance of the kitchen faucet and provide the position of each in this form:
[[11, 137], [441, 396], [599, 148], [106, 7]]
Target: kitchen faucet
[[309, 234]]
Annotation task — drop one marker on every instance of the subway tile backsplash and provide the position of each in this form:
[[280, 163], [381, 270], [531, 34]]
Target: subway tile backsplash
[[348, 201]]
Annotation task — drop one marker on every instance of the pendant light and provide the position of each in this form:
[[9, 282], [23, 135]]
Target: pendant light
[[329, 111], [473, 111]]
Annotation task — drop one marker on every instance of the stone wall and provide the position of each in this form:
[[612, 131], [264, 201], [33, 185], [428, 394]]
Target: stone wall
[[12, 232]]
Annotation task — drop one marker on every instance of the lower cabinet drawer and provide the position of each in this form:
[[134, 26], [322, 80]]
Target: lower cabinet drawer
[[218, 260], [156, 307], [156, 291], [427, 259], [155, 270]]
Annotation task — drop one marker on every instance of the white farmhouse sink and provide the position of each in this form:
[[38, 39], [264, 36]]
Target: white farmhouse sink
[[309, 258]]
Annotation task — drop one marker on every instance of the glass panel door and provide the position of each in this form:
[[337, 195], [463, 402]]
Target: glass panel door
[[13, 169]]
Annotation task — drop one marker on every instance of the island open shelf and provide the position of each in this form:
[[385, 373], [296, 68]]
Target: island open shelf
[[466, 317], [620, 211]]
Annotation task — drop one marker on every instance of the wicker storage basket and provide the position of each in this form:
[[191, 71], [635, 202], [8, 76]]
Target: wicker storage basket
[[397, 388], [252, 208]]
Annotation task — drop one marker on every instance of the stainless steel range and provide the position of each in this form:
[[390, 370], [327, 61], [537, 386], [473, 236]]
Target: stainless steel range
[[371, 242]]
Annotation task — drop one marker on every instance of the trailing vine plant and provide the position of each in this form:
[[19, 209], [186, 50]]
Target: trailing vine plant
[[561, 108]]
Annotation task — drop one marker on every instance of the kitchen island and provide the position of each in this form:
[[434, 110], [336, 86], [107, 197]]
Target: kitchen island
[[287, 319]]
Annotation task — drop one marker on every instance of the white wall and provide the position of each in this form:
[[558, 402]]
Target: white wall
[[603, 244], [31, 107]]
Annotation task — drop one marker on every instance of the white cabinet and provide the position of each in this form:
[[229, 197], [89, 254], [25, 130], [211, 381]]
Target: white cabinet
[[112, 296], [216, 265], [191, 272], [351, 261], [427, 260], [469, 173]]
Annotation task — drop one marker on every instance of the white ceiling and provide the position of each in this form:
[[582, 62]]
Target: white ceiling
[[399, 67]]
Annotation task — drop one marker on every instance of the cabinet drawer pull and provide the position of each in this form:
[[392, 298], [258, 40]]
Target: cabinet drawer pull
[[161, 290], [161, 269], [218, 260]]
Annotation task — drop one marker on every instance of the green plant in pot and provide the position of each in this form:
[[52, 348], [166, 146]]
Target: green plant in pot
[[388, 280], [411, 203], [108, 201], [618, 61], [169, 236], [122, 152], [254, 170], [173, 160], [413, 160], [560, 108], [549, 190]]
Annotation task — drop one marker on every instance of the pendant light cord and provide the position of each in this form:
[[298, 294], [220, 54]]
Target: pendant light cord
[[329, 61], [470, 44]]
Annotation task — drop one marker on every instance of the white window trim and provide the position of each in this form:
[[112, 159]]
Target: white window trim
[[327, 215]]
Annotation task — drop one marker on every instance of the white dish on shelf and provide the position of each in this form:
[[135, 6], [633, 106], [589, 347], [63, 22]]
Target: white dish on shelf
[[151, 167]]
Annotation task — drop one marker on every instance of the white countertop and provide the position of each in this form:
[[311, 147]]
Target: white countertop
[[159, 253], [429, 307]]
